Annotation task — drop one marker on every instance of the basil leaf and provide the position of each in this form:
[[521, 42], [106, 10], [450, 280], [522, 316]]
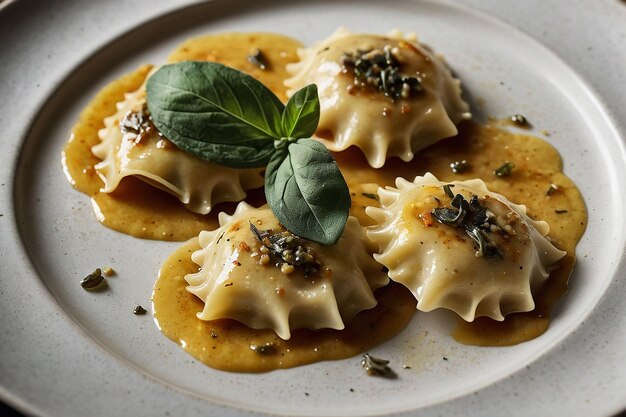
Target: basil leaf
[[302, 113], [225, 116], [215, 112], [306, 191]]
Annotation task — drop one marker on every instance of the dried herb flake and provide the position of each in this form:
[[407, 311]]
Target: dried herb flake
[[459, 167], [380, 70], [520, 120], [475, 219], [258, 59], [285, 247], [93, 281], [552, 189], [376, 366], [139, 311], [505, 170]]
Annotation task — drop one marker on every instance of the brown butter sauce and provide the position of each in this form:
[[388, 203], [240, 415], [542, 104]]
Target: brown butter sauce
[[226, 344], [135, 208], [537, 166]]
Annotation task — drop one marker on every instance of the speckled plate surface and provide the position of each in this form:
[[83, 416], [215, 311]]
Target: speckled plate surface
[[67, 352]]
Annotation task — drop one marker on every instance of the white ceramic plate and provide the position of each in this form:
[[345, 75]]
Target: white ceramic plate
[[67, 352]]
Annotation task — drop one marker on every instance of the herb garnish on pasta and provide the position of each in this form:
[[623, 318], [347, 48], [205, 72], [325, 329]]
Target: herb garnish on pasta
[[227, 117]]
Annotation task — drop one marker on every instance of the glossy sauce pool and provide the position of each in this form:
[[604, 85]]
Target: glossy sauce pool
[[138, 209], [231, 346]]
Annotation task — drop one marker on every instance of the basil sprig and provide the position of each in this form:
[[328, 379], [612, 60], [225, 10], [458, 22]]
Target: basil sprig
[[227, 117]]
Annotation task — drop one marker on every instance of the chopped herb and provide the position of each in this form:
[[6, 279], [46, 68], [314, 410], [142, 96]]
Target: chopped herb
[[448, 190], [560, 211], [93, 281], [135, 122], [450, 216], [258, 59], [475, 219], [267, 348], [376, 367], [139, 311], [520, 120], [380, 70], [370, 195], [287, 248], [505, 170], [459, 166], [552, 189]]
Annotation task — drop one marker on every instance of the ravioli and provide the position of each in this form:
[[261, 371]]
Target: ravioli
[[387, 95], [255, 272], [461, 247], [131, 146]]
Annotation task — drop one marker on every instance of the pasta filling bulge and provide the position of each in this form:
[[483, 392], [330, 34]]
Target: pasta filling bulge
[[387, 95], [459, 246], [255, 272]]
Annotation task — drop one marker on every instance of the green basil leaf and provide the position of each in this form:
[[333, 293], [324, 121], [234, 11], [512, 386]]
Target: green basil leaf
[[215, 112], [302, 113], [306, 191]]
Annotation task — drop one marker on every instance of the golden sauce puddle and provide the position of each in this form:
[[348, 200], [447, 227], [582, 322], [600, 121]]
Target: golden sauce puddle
[[226, 344], [486, 148], [137, 209]]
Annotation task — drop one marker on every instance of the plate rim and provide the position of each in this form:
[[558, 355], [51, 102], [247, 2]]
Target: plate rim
[[5, 394]]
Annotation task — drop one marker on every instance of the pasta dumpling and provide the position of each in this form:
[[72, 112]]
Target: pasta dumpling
[[387, 95], [256, 272], [131, 145], [462, 247]]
